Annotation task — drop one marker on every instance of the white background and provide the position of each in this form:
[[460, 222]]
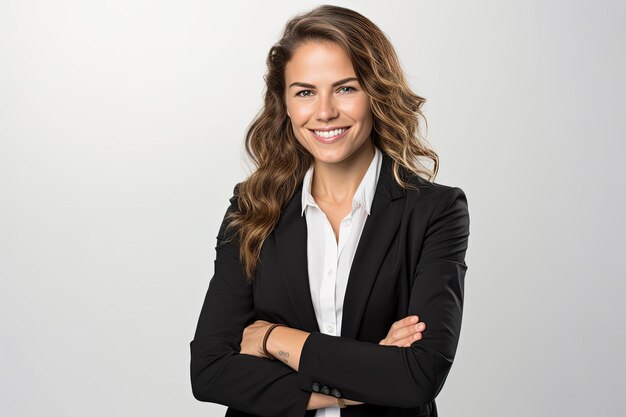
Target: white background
[[121, 138]]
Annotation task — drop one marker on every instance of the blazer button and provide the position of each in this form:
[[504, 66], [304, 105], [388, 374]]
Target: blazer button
[[336, 393], [325, 390], [315, 386]]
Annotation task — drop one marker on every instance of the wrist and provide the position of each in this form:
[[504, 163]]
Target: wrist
[[264, 349], [319, 400]]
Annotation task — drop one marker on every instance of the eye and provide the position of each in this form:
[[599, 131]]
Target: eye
[[348, 87], [299, 93]]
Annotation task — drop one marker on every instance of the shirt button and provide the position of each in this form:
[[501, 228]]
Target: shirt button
[[330, 272], [347, 222], [330, 329]]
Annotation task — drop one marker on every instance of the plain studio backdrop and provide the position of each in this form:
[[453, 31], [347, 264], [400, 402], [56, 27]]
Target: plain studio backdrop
[[121, 137]]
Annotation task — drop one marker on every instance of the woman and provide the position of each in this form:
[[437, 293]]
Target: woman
[[335, 247]]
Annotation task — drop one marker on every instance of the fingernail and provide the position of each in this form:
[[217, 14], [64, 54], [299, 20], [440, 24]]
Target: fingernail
[[414, 319]]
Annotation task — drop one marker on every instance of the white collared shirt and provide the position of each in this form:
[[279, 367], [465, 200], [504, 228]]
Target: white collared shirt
[[329, 261]]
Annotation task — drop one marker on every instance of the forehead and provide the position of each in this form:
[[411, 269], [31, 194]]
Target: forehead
[[324, 62]]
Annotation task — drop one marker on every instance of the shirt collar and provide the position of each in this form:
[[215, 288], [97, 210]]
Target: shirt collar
[[364, 194]]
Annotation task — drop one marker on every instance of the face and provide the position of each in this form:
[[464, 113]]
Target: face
[[329, 111]]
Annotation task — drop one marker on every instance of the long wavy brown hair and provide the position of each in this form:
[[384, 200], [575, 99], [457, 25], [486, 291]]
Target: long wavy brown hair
[[281, 161]]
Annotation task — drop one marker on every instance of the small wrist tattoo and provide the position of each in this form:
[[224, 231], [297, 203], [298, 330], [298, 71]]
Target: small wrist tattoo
[[283, 355]]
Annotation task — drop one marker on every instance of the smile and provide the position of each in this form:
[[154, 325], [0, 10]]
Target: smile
[[330, 136]]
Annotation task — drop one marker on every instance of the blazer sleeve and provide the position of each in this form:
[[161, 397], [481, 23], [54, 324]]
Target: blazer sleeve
[[405, 376], [219, 373]]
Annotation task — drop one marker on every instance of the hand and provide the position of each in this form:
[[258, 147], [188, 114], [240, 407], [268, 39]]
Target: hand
[[252, 338], [404, 332], [352, 402], [319, 400]]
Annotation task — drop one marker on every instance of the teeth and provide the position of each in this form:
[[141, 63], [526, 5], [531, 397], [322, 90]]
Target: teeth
[[329, 134]]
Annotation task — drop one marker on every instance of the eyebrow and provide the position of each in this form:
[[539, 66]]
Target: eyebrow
[[299, 84]]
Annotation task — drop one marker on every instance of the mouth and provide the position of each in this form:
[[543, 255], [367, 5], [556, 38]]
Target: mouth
[[329, 136]]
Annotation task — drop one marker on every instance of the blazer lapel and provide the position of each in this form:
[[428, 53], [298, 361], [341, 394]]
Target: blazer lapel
[[380, 228], [291, 242], [290, 235]]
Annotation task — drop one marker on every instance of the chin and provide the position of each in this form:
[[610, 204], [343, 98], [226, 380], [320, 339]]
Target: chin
[[330, 157]]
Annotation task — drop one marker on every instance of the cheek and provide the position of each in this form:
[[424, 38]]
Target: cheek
[[360, 111], [296, 116], [300, 114], [365, 110], [301, 136]]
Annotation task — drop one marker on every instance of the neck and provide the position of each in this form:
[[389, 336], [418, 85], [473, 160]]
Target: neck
[[337, 183]]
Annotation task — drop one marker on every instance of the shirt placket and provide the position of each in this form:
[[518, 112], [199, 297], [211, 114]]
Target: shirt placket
[[344, 232], [327, 291]]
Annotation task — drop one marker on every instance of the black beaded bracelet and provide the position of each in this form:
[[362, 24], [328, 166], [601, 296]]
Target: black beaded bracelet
[[267, 334]]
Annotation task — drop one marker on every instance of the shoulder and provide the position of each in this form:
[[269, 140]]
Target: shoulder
[[432, 199], [236, 188], [234, 198], [425, 191], [232, 208], [420, 191]]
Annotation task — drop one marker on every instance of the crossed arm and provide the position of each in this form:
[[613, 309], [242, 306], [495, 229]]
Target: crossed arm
[[253, 384], [285, 343]]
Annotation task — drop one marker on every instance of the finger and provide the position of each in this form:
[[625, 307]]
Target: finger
[[405, 342], [408, 341], [407, 321], [407, 331], [401, 341], [393, 334]]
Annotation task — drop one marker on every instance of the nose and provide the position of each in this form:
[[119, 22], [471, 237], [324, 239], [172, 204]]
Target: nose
[[327, 108]]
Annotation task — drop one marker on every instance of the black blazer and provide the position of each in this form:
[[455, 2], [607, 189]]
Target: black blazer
[[409, 260]]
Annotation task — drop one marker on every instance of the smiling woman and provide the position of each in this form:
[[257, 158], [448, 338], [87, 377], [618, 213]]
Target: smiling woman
[[334, 111], [340, 263]]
